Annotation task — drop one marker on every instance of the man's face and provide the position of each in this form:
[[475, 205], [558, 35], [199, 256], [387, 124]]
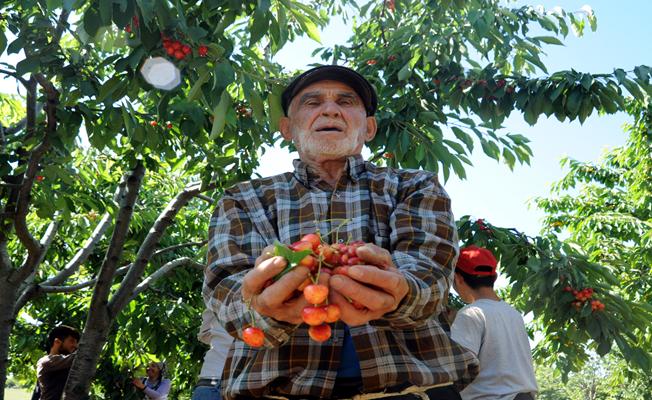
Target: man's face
[[68, 345], [327, 121]]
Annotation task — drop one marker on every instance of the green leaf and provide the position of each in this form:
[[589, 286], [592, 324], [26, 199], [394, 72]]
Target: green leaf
[[28, 65], [3, 42], [109, 87], [223, 75], [509, 158], [549, 40], [620, 75], [292, 257], [275, 109], [196, 87], [464, 137], [405, 72], [92, 21], [219, 115], [307, 26], [257, 106], [573, 102], [105, 12], [633, 88], [258, 26], [587, 81]]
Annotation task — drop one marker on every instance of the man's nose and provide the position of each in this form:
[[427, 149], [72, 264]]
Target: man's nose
[[330, 109]]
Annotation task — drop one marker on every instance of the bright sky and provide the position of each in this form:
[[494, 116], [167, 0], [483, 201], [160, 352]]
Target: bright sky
[[491, 190]]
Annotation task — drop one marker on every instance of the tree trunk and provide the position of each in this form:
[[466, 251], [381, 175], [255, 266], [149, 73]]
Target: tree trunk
[[90, 348], [8, 292], [99, 319]]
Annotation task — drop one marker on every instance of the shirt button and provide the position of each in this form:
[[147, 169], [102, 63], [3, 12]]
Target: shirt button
[[336, 194]]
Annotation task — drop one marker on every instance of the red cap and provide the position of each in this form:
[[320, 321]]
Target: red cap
[[472, 257]]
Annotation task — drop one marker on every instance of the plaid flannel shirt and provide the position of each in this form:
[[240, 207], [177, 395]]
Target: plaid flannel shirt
[[404, 211]]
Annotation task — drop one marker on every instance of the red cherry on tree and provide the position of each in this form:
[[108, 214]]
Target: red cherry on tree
[[371, 62], [39, 178], [203, 51], [153, 123]]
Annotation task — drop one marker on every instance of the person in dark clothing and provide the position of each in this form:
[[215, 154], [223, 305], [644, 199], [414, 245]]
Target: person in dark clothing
[[52, 369]]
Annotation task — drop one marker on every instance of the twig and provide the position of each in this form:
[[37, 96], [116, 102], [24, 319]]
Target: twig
[[166, 268]]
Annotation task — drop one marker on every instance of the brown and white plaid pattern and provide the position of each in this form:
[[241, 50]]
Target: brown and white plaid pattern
[[404, 211]]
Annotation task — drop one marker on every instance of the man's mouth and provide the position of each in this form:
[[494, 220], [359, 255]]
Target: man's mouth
[[329, 129]]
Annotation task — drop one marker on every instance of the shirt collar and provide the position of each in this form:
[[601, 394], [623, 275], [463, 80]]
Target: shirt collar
[[355, 167]]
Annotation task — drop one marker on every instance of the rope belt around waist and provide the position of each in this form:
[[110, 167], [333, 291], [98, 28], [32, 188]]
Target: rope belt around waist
[[418, 392]]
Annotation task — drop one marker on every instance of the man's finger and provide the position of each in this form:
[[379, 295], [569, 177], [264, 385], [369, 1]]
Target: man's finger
[[348, 313], [268, 252], [389, 281], [276, 294], [375, 255], [255, 280], [368, 297]]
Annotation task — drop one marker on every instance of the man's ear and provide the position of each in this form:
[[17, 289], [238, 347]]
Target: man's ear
[[372, 126], [284, 127]]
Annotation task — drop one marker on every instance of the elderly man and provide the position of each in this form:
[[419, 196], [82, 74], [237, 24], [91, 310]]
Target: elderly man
[[396, 346]]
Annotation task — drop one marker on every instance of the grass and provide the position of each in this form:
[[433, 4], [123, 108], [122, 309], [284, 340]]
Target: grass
[[17, 394]]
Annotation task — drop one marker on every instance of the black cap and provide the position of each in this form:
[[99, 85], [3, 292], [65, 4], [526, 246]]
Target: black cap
[[338, 73]]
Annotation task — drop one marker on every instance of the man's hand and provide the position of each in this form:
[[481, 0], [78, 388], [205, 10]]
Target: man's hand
[[379, 287], [277, 300]]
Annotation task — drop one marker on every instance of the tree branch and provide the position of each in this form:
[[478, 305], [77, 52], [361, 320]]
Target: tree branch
[[62, 23], [73, 265], [165, 219], [15, 75], [12, 130], [207, 199], [178, 246], [28, 289], [119, 272], [116, 246], [24, 194], [83, 253], [5, 261], [164, 270]]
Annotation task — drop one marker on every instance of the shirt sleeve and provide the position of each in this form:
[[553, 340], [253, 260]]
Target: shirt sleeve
[[468, 329], [424, 247], [233, 244], [54, 362], [162, 390]]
